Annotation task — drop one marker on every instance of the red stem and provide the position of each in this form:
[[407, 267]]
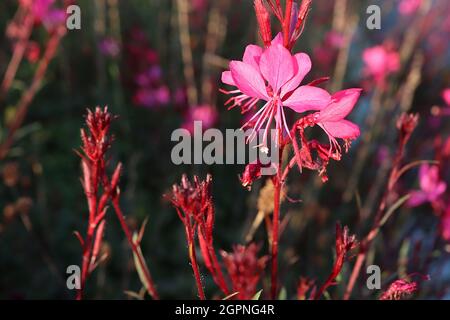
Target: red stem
[[135, 249], [18, 53], [221, 280], [276, 219], [193, 258], [27, 97], [287, 23]]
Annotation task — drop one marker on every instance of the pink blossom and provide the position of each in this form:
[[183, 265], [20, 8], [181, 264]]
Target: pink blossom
[[445, 224], [430, 186], [409, 7], [274, 76], [380, 62], [152, 97], [446, 96], [109, 47], [331, 119], [44, 12], [205, 113]]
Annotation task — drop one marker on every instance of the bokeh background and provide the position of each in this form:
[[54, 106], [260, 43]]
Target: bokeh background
[[157, 64]]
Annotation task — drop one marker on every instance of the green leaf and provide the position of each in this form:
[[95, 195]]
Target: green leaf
[[283, 294], [257, 295], [392, 208], [138, 266]]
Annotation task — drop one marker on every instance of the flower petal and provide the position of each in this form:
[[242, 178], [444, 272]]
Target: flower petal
[[306, 98], [342, 129], [227, 78], [342, 103], [248, 80], [302, 65], [276, 66], [417, 198], [252, 55], [278, 39]]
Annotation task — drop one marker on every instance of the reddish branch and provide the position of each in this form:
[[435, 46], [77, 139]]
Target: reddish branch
[[99, 189], [406, 125], [22, 25], [344, 243], [28, 95]]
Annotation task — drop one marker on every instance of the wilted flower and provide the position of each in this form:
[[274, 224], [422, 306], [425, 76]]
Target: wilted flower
[[245, 269], [399, 289], [344, 243], [192, 198], [431, 187]]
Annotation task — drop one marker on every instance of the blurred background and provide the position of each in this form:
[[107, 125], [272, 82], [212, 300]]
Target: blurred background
[[157, 64]]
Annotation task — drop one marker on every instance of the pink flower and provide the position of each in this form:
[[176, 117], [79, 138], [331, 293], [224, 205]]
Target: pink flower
[[44, 12], [380, 62], [205, 113], [445, 224], [152, 97], [109, 47], [331, 119], [446, 96], [430, 186], [274, 76], [409, 7]]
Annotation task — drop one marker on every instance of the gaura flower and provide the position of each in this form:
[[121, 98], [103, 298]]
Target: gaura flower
[[205, 113], [274, 76], [409, 7], [331, 118], [430, 186], [380, 62]]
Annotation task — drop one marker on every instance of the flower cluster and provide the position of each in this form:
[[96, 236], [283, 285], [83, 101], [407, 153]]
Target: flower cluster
[[245, 269], [145, 78]]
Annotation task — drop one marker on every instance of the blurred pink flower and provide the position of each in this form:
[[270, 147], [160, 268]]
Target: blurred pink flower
[[430, 186], [445, 224], [272, 75], [326, 52], [44, 12], [380, 62], [109, 47], [199, 5], [446, 96], [409, 7], [205, 113], [152, 97], [33, 52]]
